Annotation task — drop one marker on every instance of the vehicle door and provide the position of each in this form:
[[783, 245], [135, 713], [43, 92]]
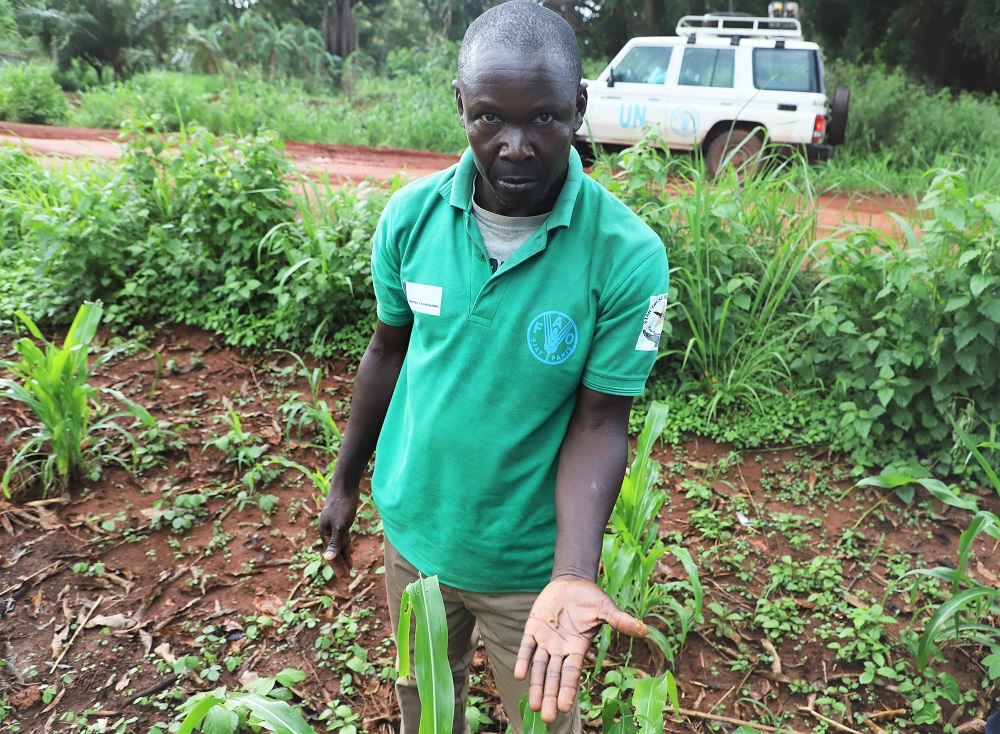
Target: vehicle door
[[629, 96], [704, 94]]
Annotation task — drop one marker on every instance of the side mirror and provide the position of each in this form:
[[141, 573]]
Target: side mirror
[[611, 77]]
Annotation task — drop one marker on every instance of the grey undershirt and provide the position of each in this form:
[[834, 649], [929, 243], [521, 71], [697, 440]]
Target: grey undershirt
[[503, 235]]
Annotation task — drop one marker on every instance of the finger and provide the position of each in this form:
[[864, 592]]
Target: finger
[[625, 623], [536, 684], [572, 669], [340, 559], [550, 694], [524, 653]]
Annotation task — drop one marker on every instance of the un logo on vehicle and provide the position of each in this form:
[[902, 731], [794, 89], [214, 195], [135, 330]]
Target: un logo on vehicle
[[552, 337]]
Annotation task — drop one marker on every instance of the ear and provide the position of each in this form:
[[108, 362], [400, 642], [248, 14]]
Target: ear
[[458, 102], [581, 106]]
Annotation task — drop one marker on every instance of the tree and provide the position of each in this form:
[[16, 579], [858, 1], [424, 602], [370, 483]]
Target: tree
[[119, 34], [954, 43]]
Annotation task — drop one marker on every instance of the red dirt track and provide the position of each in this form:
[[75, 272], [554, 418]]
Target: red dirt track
[[343, 163]]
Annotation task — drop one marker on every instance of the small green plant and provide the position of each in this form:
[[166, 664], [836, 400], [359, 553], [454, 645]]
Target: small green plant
[[70, 439], [264, 705], [633, 549], [312, 413], [242, 449]]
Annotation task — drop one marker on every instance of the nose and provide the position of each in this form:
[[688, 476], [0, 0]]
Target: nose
[[517, 145]]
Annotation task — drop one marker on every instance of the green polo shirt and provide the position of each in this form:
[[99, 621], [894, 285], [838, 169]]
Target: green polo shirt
[[465, 468]]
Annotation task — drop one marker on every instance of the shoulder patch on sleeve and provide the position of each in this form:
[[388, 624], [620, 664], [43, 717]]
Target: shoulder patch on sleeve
[[652, 324]]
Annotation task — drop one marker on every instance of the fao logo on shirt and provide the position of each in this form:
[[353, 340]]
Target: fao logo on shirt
[[552, 337]]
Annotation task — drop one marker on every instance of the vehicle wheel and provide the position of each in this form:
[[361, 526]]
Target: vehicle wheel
[[588, 152], [738, 149], [838, 116]]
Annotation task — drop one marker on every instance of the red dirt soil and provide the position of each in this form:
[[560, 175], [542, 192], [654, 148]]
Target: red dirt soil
[[344, 163], [100, 598]]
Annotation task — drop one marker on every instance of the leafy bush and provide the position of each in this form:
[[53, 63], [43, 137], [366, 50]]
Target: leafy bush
[[892, 113], [196, 229], [906, 333], [29, 94]]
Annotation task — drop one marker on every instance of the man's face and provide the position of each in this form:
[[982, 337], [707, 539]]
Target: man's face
[[520, 111]]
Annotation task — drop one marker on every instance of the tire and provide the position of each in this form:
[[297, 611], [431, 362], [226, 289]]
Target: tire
[[739, 149], [588, 152], [838, 116]]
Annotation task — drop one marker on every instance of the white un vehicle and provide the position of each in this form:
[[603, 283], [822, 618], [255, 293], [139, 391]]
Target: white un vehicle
[[725, 84]]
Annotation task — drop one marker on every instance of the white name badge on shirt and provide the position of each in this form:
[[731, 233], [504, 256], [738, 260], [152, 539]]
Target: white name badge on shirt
[[423, 298]]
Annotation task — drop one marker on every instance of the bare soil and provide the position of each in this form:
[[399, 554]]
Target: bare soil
[[98, 601]]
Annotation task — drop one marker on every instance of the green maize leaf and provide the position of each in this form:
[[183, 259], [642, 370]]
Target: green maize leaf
[[434, 682], [198, 713], [278, 716], [990, 472], [747, 730], [944, 613], [656, 419], [650, 699], [984, 522], [672, 691], [30, 324], [937, 488], [403, 650], [531, 721]]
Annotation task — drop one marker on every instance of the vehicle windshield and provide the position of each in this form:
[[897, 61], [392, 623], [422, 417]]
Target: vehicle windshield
[[787, 70]]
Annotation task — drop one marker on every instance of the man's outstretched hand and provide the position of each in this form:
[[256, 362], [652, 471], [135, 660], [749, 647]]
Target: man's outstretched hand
[[564, 620]]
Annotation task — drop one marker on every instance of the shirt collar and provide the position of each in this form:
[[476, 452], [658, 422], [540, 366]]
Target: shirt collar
[[458, 191]]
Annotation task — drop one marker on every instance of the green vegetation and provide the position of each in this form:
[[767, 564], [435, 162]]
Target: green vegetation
[[29, 94], [871, 346], [70, 438]]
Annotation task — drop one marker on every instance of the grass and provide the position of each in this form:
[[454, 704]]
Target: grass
[[372, 113]]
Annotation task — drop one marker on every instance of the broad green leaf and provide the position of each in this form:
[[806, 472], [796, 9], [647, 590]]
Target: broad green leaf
[[649, 697], [405, 619], [220, 721], [280, 716], [531, 721], [196, 715]]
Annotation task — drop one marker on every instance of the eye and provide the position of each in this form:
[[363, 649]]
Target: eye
[[545, 117], [489, 117]]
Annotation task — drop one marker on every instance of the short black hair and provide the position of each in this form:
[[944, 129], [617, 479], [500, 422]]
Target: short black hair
[[522, 25]]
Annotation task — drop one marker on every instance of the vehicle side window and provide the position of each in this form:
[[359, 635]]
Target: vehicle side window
[[786, 70], [644, 65], [708, 67]]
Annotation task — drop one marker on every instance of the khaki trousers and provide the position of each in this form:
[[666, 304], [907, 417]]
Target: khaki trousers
[[501, 619]]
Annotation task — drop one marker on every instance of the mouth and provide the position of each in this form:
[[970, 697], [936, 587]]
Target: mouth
[[516, 184]]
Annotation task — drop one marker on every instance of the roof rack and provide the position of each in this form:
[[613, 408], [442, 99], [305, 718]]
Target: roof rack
[[744, 27]]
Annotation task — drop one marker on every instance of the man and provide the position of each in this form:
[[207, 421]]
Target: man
[[519, 310]]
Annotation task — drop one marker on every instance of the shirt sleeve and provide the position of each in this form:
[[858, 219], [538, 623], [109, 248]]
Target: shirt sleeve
[[390, 294], [627, 332]]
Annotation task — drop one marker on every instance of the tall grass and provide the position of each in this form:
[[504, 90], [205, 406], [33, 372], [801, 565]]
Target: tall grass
[[738, 249], [413, 111], [898, 128]]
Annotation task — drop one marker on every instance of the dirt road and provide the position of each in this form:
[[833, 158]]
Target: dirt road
[[344, 163]]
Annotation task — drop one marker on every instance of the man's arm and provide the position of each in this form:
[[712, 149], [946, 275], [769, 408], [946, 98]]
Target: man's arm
[[373, 387], [571, 609]]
